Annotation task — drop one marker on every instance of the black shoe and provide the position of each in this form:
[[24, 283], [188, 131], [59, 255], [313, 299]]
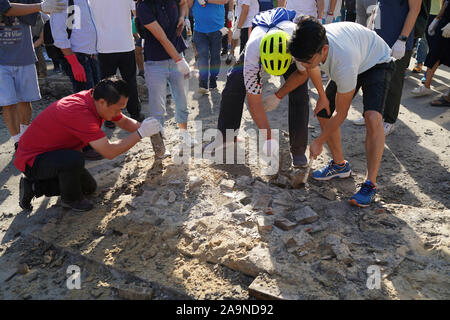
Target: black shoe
[[78, 205], [26, 193], [224, 51], [91, 154], [110, 124], [212, 84]]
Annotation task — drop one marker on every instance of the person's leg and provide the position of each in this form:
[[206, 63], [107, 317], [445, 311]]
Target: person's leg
[[422, 50], [95, 68], [11, 119], [375, 139], [88, 183], [430, 75], [350, 10], [215, 42], [24, 110], [157, 74], [202, 45], [244, 39], [139, 52], [84, 61], [108, 64], [27, 89], [177, 84], [392, 105], [127, 67], [42, 66]]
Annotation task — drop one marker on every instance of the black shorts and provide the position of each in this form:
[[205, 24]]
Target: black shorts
[[375, 84]]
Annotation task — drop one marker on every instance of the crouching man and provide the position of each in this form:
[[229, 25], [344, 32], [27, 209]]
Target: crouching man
[[49, 151]]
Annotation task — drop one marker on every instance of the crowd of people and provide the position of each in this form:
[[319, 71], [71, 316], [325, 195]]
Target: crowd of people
[[354, 44]]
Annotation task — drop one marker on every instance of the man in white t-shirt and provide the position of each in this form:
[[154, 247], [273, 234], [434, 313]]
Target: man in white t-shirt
[[116, 46], [313, 8], [245, 80], [354, 57]]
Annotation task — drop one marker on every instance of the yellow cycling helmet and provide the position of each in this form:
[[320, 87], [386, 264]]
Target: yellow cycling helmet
[[274, 52]]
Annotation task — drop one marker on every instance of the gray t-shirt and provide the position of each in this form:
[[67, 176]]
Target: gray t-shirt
[[353, 49], [16, 45]]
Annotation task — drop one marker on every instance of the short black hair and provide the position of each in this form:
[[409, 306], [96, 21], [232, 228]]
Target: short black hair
[[308, 38], [111, 89]]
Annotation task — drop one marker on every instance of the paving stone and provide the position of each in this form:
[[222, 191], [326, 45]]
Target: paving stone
[[227, 185], [298, 241], [262, 201], [341, 250], [284, 223], [264, 224], [305, 215]]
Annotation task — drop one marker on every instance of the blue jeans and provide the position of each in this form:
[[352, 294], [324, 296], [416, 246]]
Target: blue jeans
[[422, 50], [208, 46], [157, 75], [91, 66]]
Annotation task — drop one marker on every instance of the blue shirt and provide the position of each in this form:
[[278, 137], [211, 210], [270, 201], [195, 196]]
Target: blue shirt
[[210, 18], [16, 43], [392, 18], [167, 17], [265, 5]]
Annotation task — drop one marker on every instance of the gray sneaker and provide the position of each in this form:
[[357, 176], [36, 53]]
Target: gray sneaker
[[78, 205]]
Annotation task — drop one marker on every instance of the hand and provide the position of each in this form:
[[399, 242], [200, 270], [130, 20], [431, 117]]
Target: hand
[[432, 27], [183, 67], [322, 103], [224, 31], [398, 49], [230, 15], [446, 31], [53, 6], [202, 2], [270, 148], [77, 69], [236, 33], [329, 19], [149, 127], [270, 103], [180, 26], [315, 149]]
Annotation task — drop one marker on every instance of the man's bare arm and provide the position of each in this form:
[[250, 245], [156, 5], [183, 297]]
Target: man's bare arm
[[128, 124], [257, 112], [295, 80], [414, 10], [110, 150]]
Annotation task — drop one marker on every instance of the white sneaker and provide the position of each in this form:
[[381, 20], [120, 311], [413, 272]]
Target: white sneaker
[[421, 91], [325, 77], [203, 90], [359, 122], [186, 138], [388, 128]]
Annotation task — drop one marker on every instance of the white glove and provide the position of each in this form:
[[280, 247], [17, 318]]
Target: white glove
[[271, 148], [398, 49], [53, 6], [224, 31], [446, 31], [433, 26], [299, 66], [183, 67], [149, 127], [329, 19], [270, 103], [230, 15], [236, 33], [187, 23], [202, 2]]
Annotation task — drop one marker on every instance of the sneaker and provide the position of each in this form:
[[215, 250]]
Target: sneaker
[[325, 77], [332, 171], [299, 161], [224, 51], [110, 124], [388, 128], [229, 59], [203, 91], [359, 122], [365, 195], [212, 84], [26, 193], [421, 91], [78, 205], [418, 68]]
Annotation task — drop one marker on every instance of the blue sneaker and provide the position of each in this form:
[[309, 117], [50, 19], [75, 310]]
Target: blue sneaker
[[365, 195], [332, 171]]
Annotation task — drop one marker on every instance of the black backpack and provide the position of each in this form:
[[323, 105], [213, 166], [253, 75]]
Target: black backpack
[[54, 52], [141, 29]]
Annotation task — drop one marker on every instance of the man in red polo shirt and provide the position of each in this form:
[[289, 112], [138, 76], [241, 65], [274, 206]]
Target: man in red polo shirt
[[49, 151]]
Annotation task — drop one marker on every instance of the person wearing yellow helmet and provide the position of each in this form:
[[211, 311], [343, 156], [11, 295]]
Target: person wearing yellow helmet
[[267, 49]]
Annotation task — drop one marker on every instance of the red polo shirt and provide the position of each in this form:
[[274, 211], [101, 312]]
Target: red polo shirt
[[69, 123]]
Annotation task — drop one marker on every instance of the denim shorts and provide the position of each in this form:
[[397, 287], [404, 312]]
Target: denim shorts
[[375, 84], [18, 84]]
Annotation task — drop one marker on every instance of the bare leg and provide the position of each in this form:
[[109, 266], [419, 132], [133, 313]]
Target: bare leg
[[24, 110], [430, 74], [374, 143], [11, 119], [334, 142]]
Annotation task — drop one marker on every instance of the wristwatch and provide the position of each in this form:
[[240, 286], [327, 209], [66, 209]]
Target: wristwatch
[[403, 38], [330, 13]]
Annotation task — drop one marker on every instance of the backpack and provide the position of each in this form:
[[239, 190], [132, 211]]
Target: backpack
[[54, 52], [270, 18], [141, 29]]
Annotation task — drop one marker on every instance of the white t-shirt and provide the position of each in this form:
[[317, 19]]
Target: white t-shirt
[[252, 11], [113, 23], [302, 7], [252, 65], [353, 49]]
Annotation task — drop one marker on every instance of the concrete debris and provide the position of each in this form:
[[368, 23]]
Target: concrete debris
[[284, 223], [305, 215]]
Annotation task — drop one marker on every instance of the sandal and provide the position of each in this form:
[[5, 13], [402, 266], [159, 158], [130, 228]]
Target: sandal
[[441, 102]]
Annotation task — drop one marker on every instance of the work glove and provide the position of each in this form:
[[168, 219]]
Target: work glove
[[270, 148], [432, 27], [271, 102], [223, 31], [77, 69], [187, 23], [236, 33], [446, 31], [149, 127], [329, 19], [398, 49], [230, 15], [202, 2], [53, 6], [183, 67]]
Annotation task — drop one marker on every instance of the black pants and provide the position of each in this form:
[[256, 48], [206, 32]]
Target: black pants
[[61, 172], [350, 10], [126, 63], [232, 104], [244, 39]]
